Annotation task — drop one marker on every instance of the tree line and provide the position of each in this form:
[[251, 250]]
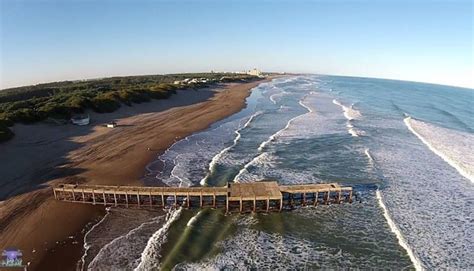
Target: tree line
[[61, 100]]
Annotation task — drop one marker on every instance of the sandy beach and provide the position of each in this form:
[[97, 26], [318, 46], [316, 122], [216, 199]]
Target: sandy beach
[[49, 232]]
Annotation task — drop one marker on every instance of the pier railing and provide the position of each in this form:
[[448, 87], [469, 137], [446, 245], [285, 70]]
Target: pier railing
[[257, 196]]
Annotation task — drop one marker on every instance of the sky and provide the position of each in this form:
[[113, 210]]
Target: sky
[[54, 40]]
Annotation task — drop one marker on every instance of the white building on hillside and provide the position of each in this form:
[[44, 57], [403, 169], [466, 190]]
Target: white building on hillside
[[254, 72]]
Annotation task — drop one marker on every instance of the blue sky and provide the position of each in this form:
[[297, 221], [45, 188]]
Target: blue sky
[[428, 41]]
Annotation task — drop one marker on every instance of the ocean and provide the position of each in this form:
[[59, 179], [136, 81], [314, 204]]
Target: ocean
[[405, 147]]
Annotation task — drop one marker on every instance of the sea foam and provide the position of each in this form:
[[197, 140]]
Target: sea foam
[[350, 114], [150, 255], [86, 245], [124, 252], [275, 135], [393, 227], [454, 147], [218, 156]]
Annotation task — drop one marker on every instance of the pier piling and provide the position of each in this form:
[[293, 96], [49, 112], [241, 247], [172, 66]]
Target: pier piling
[[262, 196]]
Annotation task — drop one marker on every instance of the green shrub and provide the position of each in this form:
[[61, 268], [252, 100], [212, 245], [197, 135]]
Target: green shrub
[[62, 99], [160, 93], [54, 110], [25, 115], [77, 103], [125, 96], [106, 102], [139, 95], [5, 121]]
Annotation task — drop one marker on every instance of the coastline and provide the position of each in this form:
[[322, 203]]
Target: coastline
[[30, 221]]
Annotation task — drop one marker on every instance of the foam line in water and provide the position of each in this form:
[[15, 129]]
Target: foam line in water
[[149, 257], [465, 172], [353, 132], [87, 246], [305, 106], [367, 153], [111, 246], [246, 166], [349, 112], [398, 234], [176, 164], [272, 99], [275, 135], [216, 158], [193, 219], [160, 158]]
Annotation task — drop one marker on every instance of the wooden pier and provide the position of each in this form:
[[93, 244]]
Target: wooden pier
[[242, 197]]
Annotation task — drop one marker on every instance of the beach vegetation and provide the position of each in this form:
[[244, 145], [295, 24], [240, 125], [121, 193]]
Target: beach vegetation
[[61, 100]]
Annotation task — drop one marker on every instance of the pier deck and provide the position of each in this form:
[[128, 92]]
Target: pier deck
[[257, 196]]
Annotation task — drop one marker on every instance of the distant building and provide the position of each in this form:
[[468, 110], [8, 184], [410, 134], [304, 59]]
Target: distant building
[[254, 72]]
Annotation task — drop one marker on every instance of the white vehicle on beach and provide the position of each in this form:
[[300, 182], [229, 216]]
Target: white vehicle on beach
[[80, 120]]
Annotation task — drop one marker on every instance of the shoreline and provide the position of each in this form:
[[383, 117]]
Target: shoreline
[[30, 220]]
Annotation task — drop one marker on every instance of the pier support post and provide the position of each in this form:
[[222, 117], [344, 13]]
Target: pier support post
[[54, 192], [187, 201], [268, 204], [339, 196], [241, 205], [73, 195], [327, 197], [103, 195], [151, 199], [175, 200], [138, 197], [115, 198], [350, 197], [227, 204], [304, 199], [316, 194], [214, 199], [126, 198], [255, 204], [93, 196], [162, 200], [281, 203], [83, 196], [200, 200]]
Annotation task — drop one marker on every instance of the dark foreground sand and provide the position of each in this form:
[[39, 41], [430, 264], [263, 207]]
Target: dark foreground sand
[[49, 232]]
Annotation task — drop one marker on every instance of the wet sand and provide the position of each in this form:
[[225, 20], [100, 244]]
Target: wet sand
[[49, 232]]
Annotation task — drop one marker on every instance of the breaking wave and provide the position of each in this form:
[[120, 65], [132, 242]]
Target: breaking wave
[[216, 158], [454, 147], [371, 159], [272, 97], [264, 156], [275, 135], [87, 245], [125, 250], [350, 114], [260, 159], [396, 231], [150, 255]]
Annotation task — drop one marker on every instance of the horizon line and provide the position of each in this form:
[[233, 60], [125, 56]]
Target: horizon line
[[280, 72]]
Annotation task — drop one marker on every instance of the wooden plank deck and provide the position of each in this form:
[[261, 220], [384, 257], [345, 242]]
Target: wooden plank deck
[[266, 195]]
